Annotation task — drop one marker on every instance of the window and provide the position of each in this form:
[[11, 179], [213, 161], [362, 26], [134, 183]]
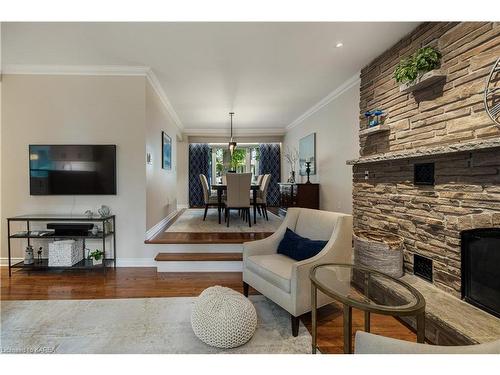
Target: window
[[245, 160]]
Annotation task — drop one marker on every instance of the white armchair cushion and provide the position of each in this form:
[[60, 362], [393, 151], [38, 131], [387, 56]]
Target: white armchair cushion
[[274, 268]]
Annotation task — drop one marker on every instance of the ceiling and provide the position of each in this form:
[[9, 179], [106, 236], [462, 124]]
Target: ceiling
[[269, 74]]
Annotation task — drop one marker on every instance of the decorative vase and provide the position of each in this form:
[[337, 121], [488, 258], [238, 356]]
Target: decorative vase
[[88, 214], [104, 211], [95, 230], [96, 262], [28, 255], [291, 178]]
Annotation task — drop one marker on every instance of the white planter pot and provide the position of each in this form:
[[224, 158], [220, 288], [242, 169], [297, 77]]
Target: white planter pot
[[96, 262]]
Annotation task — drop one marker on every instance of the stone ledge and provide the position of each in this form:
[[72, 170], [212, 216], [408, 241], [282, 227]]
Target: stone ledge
[[449, 320], [480, 144]]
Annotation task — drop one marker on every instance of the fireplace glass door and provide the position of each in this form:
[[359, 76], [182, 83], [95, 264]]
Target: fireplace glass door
[[481, 269]]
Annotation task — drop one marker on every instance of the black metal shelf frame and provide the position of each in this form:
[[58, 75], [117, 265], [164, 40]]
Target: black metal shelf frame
[[85, 263]]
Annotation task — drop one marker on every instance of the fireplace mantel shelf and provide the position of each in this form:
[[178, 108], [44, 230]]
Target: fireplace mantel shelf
[[479, 144]]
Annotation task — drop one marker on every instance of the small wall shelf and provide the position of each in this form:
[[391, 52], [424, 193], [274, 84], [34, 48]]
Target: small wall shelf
[[423, 81], [375, 130]]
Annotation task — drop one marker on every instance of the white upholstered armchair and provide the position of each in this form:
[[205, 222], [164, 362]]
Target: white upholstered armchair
[[284, 280]]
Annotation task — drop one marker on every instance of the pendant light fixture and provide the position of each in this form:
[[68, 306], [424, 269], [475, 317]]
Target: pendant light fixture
[[232, 144]]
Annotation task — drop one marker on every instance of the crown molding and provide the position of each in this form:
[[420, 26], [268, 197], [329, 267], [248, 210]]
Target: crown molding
[[155, 83], [327, 99], [100, 70], [236, 132]]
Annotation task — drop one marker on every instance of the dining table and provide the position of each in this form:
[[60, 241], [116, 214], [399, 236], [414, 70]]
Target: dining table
[[220, 189]]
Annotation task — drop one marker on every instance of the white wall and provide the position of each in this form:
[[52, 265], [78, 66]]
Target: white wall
[[161, 184], [336, 127], [67, 109]]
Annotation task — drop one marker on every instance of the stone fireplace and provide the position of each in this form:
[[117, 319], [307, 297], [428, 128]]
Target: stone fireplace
[[434, 171]]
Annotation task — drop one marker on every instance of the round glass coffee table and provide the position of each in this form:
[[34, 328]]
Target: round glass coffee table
[[365, 289]]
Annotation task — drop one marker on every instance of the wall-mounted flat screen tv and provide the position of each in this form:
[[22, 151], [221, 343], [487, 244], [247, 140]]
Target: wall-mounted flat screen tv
[[72, 169]]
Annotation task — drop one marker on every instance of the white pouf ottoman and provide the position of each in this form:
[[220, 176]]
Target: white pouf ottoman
[[223, 318]]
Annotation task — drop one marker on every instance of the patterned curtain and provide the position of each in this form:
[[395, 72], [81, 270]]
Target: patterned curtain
[[199, 163], [270, 163]]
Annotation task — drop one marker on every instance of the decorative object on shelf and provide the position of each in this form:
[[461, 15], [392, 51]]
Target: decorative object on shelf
[[232, 143], [39, 255], [28, 255], [291, 156], [95, 230], [166, 151], [308, 171], [65, 253], [375, 117], [379, 250], [419, 70], [96, 256], [89, 214], [307, 152], [492, 93], [104, 211]]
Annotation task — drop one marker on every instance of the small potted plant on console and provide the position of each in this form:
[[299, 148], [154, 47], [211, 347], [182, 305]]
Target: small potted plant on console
[[97, 257]]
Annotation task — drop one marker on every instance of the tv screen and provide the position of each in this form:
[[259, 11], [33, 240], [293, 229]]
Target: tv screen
[[72, 169]]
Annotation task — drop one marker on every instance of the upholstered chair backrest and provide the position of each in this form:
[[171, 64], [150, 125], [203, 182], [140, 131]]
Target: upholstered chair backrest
[[206, 188], [238, 187], [316, 224], [258, 181], [263, 186]]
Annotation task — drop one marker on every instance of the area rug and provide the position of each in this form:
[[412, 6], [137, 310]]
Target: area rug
[[139, 325], [191, 220]]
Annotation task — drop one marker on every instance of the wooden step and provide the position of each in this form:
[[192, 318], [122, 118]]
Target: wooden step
[[199, 257]]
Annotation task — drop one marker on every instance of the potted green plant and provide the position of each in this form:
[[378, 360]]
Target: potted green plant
[[97, 257], [419, 70]]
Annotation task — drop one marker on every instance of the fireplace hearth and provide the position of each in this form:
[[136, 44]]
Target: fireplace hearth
[[481, 268]]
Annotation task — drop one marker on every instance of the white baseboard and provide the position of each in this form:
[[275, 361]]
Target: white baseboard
[[5, 261], [201, 266], [120, 262], [136, 262], [182, 206], [153, 231]]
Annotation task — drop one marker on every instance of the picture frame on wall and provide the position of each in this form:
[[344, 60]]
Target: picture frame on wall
[[307, 152], [166, 151]]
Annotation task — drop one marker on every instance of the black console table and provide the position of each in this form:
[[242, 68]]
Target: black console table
[[29, 234]]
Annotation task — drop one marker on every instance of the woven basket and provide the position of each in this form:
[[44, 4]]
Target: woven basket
[[378, 250]]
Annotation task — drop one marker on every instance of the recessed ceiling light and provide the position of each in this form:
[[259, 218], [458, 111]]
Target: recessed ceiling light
[[339, 44]]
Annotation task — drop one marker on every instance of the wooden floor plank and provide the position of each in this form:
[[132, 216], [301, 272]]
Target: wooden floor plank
[[205, 238], [146, 282], [192, 257]]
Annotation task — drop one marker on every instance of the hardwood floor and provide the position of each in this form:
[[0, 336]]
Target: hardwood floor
[[146, 282]]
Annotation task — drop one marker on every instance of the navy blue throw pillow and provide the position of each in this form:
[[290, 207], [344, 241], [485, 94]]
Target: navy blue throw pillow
[[299, 248]]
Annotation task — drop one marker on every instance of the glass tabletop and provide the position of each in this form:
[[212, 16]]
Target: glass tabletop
[[365, 288]]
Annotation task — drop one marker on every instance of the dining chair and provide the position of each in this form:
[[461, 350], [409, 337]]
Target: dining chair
[[238, 186], [258, 180], [262, 195], [208, 198]]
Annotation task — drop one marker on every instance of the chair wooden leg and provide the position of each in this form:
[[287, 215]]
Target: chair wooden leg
[[249, 218], [205, 215], [295, 325], [245, 289], [259, 211], [228, 215]]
